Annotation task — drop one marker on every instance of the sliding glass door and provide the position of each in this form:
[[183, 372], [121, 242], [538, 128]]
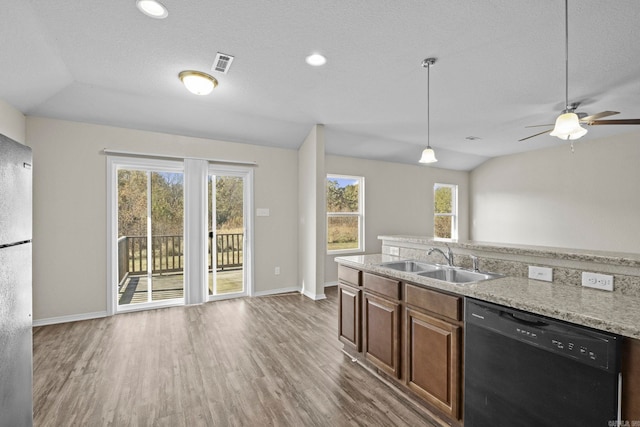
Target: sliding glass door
[[150, 248], [179, 231], [227, 232]]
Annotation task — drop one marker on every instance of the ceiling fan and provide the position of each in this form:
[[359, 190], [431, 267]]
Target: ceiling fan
[[584, 119], [568, 123]]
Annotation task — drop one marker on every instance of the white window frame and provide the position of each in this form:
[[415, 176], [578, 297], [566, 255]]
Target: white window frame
[[247, 176], [359, 214], [115, 163], [453, 214]]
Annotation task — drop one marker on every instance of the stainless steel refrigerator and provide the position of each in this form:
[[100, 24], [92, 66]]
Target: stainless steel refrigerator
[[16, 366]]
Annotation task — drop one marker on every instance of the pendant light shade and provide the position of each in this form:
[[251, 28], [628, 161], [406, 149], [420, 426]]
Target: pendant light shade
[[428, 155], [198, 83], [568, 127]]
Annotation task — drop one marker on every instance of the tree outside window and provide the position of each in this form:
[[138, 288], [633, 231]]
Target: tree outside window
[[445, 207], [345, 213]]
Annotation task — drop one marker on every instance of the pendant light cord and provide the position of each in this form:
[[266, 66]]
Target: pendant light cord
[[428, 124]]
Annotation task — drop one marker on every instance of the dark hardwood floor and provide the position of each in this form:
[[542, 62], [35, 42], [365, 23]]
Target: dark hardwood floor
[[244, 362]]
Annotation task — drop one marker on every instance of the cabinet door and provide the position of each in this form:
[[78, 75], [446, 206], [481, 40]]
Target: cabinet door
[[433, 361], [630, 379], [349, 326], [382, 333]]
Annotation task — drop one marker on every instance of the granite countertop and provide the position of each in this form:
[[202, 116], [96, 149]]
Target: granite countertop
[[606, 311]]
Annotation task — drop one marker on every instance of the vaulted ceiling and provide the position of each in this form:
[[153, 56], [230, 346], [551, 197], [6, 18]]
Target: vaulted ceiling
[[500, 68]]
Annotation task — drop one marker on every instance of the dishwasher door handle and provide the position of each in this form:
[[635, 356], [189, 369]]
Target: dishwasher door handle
[[524, 319]]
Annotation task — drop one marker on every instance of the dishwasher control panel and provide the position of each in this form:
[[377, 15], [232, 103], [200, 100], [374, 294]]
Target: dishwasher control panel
[[591, 347]]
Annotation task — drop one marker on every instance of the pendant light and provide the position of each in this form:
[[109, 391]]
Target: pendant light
[[568, 123], [428, 155]]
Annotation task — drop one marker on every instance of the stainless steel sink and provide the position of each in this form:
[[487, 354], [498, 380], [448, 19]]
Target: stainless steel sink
[[410, 266], [440, 272], [455, 275]]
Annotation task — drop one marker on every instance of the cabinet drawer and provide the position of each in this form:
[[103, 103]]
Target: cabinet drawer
[[445, 305], [381, 285], [349, 275]]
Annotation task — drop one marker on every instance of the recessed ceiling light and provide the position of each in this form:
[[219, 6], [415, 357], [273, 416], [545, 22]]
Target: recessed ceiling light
[[152, 8], [197, 82], [316, 60]]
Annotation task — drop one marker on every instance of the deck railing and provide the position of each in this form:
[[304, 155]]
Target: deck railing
[[168, 253]]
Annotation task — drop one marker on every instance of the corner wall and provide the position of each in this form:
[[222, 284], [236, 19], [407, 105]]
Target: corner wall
[[551, 197], [311, 208], [70, 214], [12, 123]]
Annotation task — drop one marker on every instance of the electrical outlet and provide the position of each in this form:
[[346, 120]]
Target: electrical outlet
[[394, 250], [597, 281], [277, 271], [541, 273]]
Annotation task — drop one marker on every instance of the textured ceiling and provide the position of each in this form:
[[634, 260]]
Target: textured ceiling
[[500, 68]]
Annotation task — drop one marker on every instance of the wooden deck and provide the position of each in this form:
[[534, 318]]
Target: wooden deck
[[170, 286]]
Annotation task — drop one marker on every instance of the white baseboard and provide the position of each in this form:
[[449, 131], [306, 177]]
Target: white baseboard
[[330, 284], [70, 318], [276, 291], [314, 297]]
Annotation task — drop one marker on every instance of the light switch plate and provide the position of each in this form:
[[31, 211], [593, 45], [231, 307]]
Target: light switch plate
[[262, 212], [541, 273], [597, 281]]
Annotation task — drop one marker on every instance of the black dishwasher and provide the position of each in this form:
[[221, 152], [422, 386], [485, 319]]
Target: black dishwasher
[[529, 370]]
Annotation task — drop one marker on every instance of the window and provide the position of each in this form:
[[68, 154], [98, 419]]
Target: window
[[345, 213], [445, 208]]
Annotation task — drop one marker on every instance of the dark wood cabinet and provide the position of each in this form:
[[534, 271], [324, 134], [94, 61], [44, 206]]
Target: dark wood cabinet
[[433, 349], [407, 332], [349, 319], [631, 380], [434, 360], [349, 309], [382, 333]]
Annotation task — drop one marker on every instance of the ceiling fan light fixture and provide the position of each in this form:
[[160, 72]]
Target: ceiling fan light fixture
[[197, 82], [428, 156], [568, 127]]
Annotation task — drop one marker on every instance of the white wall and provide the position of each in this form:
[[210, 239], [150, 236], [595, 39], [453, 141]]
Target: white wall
[[587, 200], [12, 123], [398, 200], [69, 250], [311, 210]]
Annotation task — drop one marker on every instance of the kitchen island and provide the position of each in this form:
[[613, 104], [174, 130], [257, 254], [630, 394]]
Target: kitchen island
[[390, 315]]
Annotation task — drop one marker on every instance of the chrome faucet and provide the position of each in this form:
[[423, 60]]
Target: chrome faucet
[[448, 256], [474, 261]]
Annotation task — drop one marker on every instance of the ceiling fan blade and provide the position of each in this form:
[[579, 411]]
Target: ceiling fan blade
[[537, 134], [616, 122], [597, 116], [537, 126]]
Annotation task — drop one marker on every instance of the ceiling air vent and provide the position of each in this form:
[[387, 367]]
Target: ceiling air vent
[[222, 63]]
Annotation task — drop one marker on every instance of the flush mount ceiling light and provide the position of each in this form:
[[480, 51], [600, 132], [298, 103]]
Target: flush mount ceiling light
[[197, 82], [316, 60], [152, 8], [428, 155], [568, 123]]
